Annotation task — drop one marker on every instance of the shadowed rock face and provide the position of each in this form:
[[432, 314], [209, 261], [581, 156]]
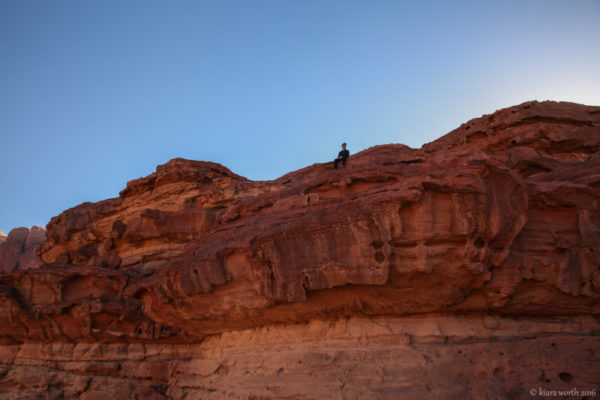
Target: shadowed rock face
[[18, 249], [490, 234]]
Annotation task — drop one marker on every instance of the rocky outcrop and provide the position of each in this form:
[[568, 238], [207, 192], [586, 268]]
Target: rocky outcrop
[[469, 267], [18, 249]]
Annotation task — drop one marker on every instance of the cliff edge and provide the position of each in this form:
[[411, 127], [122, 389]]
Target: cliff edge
[[467, 268]]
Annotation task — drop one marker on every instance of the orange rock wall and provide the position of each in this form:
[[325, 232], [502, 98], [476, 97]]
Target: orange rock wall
[[425, 357]]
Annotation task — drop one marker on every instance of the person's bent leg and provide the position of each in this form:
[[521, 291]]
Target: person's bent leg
[[335, 163]]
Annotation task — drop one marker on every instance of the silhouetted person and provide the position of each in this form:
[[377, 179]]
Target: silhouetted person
[[342, 156]]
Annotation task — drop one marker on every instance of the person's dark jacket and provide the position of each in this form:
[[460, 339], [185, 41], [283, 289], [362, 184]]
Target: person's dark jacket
[[344, 154]]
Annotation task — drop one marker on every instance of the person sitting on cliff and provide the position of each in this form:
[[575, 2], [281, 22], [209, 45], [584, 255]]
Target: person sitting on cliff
[[342, 156]]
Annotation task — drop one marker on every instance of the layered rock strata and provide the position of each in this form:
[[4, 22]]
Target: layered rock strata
[[468, 267], [420, 357]]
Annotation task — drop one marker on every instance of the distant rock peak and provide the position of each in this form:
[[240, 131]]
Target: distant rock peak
[[18, 249]]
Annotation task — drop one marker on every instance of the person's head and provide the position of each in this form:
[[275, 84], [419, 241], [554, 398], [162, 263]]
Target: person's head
[[344, 146]]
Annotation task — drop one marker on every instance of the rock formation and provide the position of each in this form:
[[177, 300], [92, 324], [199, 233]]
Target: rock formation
[[467, 268], [18, 249]]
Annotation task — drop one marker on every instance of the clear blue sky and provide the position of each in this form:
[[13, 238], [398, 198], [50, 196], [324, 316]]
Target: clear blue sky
[[96, 93]]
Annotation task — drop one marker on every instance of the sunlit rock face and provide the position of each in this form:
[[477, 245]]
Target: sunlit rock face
[[467, 268]]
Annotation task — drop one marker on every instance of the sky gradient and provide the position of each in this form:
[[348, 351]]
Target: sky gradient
[[96, 93]]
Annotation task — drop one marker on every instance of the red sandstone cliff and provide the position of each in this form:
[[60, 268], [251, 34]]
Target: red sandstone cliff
[[467, 268]]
